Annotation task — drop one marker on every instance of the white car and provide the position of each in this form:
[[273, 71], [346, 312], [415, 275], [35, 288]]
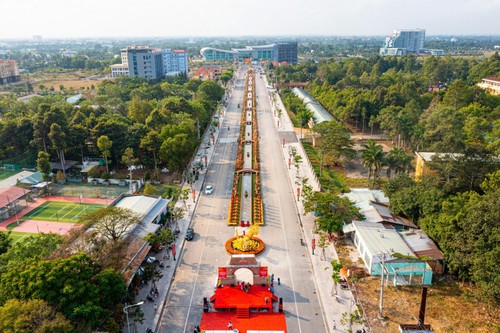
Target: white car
[[209, 189]]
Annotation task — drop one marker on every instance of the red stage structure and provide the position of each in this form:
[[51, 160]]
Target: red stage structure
[[249, 306]]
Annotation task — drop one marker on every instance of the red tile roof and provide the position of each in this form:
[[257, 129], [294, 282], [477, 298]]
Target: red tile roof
[[496, 79]]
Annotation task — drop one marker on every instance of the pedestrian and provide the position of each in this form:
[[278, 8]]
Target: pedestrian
[[272, 278], [334, 324], [230, 325], [156, 307], [279, 281]]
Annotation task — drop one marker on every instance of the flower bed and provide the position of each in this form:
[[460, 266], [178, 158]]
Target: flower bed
[[257, 250]]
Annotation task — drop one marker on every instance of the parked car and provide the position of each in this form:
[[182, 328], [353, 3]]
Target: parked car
[[209, 189], [189, 234]]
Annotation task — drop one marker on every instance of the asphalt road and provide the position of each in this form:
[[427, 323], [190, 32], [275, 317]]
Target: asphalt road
[[196, 274]]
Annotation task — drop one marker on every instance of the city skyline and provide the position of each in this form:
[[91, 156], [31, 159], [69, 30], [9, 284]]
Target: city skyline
[[55, 19]]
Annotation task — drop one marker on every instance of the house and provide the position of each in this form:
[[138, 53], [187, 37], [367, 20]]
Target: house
[[423, 160], [491, 84], [379, 213], [208, 73], [424, 248], [382, 249]]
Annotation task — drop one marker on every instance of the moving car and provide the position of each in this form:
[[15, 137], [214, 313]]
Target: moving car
[[209, 189], [189, 234]]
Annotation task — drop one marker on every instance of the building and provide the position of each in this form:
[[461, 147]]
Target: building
[[282, 52], [208, 73], [491, 84], [140, 61], [383, 249], [319, 112], [174, 61], [150, 209], [424, 160], [404, 41], [150, 63], [9, 71]]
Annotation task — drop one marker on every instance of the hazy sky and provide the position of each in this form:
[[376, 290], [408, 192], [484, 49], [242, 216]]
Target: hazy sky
[[136, 18]]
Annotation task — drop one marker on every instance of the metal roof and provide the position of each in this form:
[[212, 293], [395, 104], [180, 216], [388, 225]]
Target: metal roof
[[319, 112], [12, 180], [421, 244], [358, 195], [379, 239]]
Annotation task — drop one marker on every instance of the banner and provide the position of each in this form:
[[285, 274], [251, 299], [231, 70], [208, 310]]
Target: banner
[[263, 271], [222, 272]]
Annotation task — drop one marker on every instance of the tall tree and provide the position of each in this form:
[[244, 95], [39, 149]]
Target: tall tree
[[43, 165], [373, 156], [58, 140], [104, 144], [112, 223]]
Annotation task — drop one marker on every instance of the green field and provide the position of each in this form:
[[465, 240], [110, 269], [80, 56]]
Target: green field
[[18, 236], [61, 211]]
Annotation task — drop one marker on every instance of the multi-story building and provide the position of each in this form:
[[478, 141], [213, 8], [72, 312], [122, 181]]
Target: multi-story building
[[403, 41], [145, 62], [491, 84], [174, 61], [279, 52], [150, 63], [9, 71]]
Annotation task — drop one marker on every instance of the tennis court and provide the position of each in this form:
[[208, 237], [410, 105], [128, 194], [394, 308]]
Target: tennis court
[[61, 211]]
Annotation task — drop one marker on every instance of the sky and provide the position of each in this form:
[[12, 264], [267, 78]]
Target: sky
[[191, 18]]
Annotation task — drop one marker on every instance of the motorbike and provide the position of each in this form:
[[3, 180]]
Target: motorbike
[[302, 242], [150, 298]]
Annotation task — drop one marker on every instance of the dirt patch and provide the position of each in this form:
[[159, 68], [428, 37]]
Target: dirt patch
[[449, 309], [76, 85]]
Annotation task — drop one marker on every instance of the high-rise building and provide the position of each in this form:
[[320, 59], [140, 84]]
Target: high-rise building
[[9, 71], [403, 41], [150, 63], [174, 61], [280, 52]]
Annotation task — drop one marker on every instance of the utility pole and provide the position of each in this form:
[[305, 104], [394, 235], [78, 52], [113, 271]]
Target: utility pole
[[380, 315]]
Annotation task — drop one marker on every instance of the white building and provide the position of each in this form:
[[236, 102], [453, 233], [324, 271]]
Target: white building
[[403, 41], [491, 84]]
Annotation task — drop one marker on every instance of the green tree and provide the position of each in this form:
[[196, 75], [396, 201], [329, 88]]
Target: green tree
[[43, 165], [149, 189], [335, 140], [152, 143], [373, 156], [5, 242], [336, 267], [32, 316], [75, 285], [209, 91], [58, 139], [104, 144], [332, 211], [112, 223]]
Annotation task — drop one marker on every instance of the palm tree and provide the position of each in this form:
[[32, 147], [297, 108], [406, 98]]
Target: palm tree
[[373, 156]]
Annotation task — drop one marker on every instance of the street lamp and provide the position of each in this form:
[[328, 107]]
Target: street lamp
[[126, 312]]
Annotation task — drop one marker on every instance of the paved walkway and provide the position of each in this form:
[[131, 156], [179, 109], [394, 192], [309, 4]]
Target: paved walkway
[[321, 265]]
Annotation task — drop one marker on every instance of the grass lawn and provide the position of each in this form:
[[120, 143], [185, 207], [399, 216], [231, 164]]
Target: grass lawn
[[61, 211], [18, 236]]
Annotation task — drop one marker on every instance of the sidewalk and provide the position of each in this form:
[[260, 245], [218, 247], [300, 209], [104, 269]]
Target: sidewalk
[[321, 266]]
